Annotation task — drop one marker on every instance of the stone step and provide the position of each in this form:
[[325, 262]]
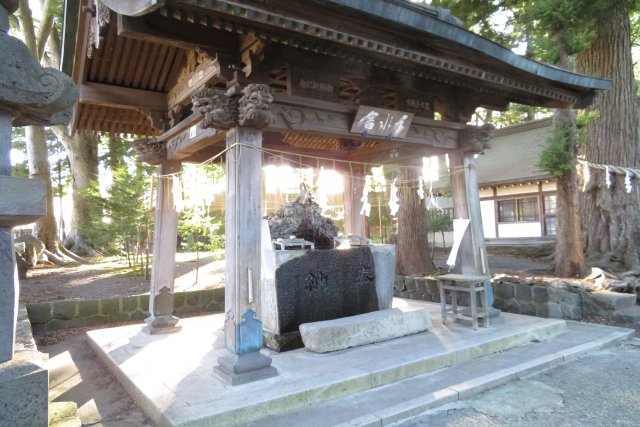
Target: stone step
[[400, 400], [628, 316], [186, 393], [614, 301]]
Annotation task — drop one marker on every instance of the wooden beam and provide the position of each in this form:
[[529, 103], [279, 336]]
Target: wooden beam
[[294, 114], [191, 140], [122, 97], [327, 118], [185, 35]]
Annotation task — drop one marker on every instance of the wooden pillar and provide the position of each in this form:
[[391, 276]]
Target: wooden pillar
[[466, 261], [353, 186], [243, 330], [165, 238], [243, 361], [475, 214], [473, 248]]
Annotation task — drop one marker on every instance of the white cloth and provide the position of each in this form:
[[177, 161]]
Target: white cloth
[[459, 227]]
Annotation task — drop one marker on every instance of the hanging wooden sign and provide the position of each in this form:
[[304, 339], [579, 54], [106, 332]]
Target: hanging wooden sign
[[380, 122]]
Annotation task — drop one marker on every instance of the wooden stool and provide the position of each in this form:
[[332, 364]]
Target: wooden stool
[[470, 284]]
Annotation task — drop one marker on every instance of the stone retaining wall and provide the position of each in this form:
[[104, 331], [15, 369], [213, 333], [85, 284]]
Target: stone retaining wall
[[558, 299], [54, 315]]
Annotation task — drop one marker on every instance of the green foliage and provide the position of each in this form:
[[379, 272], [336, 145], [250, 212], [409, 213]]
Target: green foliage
[[476, 14], [122, 218], [439, 222], [556, 159], [198, 229]]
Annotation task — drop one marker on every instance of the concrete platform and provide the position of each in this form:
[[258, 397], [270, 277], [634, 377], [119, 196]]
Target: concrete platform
[[170, 376]]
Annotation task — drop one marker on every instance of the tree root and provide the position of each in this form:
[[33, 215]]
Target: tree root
[[55, 259], [70, 254]]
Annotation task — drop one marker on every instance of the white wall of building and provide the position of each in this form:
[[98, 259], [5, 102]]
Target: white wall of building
[[488, 211], [521, 229]]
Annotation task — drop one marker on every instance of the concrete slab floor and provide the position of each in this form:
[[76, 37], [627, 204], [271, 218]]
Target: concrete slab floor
[[77, 375], [170, 376]]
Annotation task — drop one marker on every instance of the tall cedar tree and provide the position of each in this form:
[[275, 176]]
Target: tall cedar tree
[[412, 241], [598, 31], [43, 39], [611, 216], [35, 39]]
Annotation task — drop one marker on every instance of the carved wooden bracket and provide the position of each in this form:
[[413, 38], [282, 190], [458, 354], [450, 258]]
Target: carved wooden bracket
[[226, 109], [100, 16], [476, 139], [150, 150], [200, 69]]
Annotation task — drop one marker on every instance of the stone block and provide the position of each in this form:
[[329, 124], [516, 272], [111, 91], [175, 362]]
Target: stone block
[[205, 298], [40, 312], [89, 308], [399, 284], [410, 283], [23, 200], [215, 307], [540, 294], [415, 295], [528, 308], [432, 287], [65, 309], [218, 295], [109, 307], [542, 310], [362, 329], [384, 260], [555, 295], [120, 317], [573, 312], [503, 290], [8, 295], [76, 322], [24, 394], [179, 299], [129, 304], [612, 301], [511, 306], [421, 285], [143, 303], [192, 299], [522, 292], [139, 315]]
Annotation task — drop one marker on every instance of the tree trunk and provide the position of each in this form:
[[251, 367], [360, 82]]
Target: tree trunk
[[38, 155], [82, 150], [569, 259], [412, 244], [610, 216]]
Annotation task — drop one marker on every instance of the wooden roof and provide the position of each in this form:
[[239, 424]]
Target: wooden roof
[[145, 60]]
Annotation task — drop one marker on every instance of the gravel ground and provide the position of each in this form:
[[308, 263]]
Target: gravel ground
[[600, 389]]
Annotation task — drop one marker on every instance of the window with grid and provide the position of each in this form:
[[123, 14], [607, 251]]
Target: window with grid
[[518, 210]]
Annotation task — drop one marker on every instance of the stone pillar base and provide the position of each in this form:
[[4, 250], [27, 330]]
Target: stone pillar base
[[24, 394], [236, 369], [161, 325]]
